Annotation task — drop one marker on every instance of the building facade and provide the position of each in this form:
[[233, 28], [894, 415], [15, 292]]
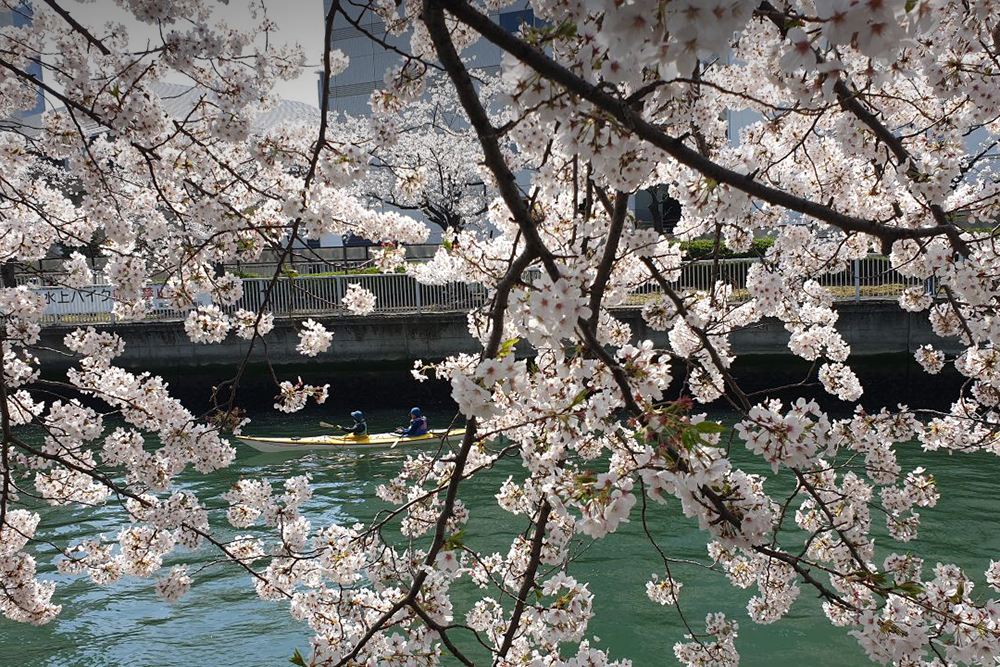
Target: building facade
[[21, 16], [369, 60], [350, 90]]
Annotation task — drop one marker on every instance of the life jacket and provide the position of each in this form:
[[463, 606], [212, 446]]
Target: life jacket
[[418, 426]]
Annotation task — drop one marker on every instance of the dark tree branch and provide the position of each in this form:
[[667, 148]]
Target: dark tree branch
[[442, 632], [89, 36], [634, 122], [702, 335], [527, 582], [618, 212], [849, 102], [433, 18]]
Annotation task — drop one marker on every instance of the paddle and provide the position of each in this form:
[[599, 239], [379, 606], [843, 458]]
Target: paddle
[[329, 425], [396, 441], [401, 436]]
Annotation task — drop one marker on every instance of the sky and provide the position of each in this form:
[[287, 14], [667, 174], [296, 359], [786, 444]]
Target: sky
[[298, 21]]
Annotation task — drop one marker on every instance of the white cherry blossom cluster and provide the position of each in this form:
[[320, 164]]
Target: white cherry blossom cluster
[[78, 271], [840, 381], [716, 647], [930, 359], [293, 397], [247, 323], [314, 339], [389, 257], [175, 585], [358, 300], [663, 591], [795, 439], [207, 324]]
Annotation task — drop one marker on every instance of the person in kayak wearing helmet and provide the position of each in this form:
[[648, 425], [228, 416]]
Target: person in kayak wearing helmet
[[359, 427], [418, 424]]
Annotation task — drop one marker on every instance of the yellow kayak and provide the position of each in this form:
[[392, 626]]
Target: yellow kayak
[[347, 441]]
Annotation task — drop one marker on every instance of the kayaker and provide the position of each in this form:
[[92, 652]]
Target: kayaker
[[418, 424], [360, 426]]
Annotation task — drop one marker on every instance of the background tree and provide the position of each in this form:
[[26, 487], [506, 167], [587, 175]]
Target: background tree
[[423, 154]]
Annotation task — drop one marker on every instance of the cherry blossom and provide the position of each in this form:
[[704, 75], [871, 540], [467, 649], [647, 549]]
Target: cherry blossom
[[663, 592], [868, 129], [358, 300], [293, 397], [313, 339], [175, 585], [207, 324]]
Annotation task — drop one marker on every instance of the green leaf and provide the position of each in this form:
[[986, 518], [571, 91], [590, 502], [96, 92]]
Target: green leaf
[[579, 398], [454, 541], [507, 347], [566, 30], [689, 439], [910, 4], [297, 659], [709, 427]]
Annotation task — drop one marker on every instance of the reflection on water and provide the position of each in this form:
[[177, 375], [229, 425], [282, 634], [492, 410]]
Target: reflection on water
[[222, 622]]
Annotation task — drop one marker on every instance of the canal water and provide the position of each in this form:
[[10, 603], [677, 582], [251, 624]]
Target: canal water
[[221, 622]]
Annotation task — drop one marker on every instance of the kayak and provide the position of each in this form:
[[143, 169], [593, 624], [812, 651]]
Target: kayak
[[371, 441]]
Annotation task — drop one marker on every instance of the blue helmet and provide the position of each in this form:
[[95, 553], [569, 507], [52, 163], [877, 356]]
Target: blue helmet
[[358, 416], [415, 412]]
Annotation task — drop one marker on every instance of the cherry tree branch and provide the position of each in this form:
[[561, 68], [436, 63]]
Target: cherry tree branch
[[527, 581], [78, 27], [702, 335], [441, 631], [634, 122], [850, 102], [618, 213], [493, 157]]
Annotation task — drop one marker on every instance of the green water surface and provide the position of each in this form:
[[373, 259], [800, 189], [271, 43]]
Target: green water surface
[[221, 621]]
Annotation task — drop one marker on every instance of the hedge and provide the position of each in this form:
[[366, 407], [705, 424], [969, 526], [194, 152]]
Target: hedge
[[368, 270], [705, 248]]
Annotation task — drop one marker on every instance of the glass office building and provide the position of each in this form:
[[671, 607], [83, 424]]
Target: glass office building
[[369, 60], [20, 16]]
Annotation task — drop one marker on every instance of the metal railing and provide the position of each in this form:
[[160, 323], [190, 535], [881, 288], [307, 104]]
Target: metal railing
[[304, 261], [869, 278], [290, 297], [329, 260]]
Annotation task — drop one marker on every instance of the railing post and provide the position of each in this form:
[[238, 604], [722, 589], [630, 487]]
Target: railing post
[[338, 292], [857, 281], [416, 288]]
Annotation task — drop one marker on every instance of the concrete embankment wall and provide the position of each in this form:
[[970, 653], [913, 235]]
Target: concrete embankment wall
[[871, 328]]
